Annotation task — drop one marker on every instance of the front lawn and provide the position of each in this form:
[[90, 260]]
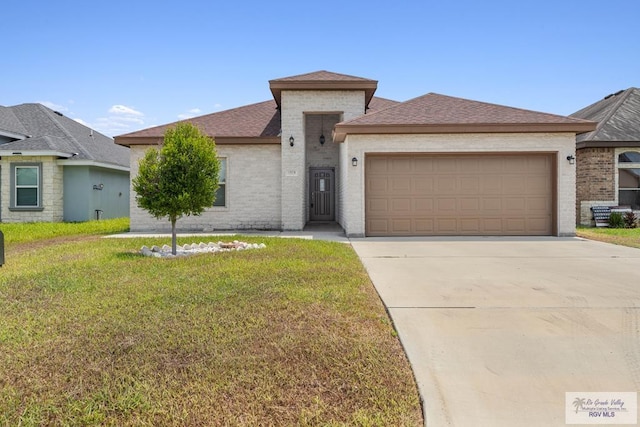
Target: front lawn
[[31, 232], [618, 236], [92, 333]]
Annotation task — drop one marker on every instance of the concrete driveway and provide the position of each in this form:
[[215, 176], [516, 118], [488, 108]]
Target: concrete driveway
[[498, 329]]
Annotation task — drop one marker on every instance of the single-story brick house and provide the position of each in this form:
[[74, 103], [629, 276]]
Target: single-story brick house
[[54, 169], [608, 158], [326, 149]]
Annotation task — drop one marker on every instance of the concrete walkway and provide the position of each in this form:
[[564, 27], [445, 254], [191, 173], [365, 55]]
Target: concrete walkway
[[498, 329]]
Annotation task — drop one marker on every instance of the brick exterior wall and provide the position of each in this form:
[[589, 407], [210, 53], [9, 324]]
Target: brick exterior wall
[[358, 146], [253, 193], [595, 181], [295, 106], [52, 191]]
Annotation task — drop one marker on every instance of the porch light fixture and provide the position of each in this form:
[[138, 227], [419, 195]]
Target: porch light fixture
[[354, 162], [571, 159], [322, 131], [291, 140]]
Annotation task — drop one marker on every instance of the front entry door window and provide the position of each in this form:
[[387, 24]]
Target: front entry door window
[[321, 196]]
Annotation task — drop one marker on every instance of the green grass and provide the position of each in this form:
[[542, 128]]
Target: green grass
[[619, 236], [92, 333], [30, 232]]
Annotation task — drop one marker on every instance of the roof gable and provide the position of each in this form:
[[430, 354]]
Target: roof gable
[[618, 117], [48, 130], [434, 113], [323, 80], [10, 125]]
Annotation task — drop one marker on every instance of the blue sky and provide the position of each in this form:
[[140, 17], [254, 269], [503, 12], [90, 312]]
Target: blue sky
[[120, 66]]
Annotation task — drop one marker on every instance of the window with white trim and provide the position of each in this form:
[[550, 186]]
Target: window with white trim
[[629, 179], [26, 186], [221, 192]]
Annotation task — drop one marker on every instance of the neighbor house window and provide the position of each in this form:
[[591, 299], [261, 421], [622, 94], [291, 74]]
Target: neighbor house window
[[221, 193], [26, 186], [629, 179]]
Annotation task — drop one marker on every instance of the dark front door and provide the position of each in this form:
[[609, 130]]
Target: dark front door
[[321, 196]]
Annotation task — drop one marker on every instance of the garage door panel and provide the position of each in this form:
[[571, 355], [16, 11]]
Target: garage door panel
[[422, 164], [445, 185], [377, 165], [423, 206], [378, 185], [514, 185], [469, 205], [469, 185], [446, 225], [378, 207], [538, 204], [424, 226], [514, 165], [401, 226], [422, 185], [446, 206], [446, 166], [493, 194], [491, 184], [401, 185], [401, 206], [492, 225], [399, 165], [470, 226]]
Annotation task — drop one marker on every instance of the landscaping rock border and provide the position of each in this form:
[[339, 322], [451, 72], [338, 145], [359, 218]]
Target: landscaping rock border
[[198, 248]]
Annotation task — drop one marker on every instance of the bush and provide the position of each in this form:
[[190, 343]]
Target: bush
[[616, 220], [630, 220]]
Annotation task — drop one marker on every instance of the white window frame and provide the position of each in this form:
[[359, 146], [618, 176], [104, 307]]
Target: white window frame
[[222, 183], [624, 165], [15, 187]]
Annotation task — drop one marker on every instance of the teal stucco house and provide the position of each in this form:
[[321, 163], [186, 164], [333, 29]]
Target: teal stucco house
[[54, 169]]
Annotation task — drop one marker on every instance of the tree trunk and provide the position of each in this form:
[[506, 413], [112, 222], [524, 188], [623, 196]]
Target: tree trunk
[[173, 236]]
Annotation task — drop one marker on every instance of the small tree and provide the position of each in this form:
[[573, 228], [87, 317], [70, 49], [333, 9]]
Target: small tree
[[180, 179]]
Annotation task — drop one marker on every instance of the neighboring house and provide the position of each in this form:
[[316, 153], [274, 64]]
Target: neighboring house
[[53, 168], [608, 158], [326, 149]]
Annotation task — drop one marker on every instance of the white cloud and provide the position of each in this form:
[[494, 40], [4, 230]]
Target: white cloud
[[123, 109], [121, 119], [82, 122], [189, 114], [53, 106]]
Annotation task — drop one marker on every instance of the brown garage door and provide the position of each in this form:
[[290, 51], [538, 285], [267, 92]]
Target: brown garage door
[[421, 195]]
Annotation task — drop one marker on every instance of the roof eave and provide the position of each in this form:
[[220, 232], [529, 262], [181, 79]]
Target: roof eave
[[342, 130], [15, 135], [34, 153], [606, 144], [368, 86], [85, 162], [219, 140]]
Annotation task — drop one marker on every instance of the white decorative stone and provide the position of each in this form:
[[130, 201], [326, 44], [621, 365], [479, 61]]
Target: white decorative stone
[[193, 248]]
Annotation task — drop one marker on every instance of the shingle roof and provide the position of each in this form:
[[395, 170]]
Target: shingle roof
[[250, 123], [49, 130], [434, 113], [618, 117], [10, 123], [323, 75], [323, 80]]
